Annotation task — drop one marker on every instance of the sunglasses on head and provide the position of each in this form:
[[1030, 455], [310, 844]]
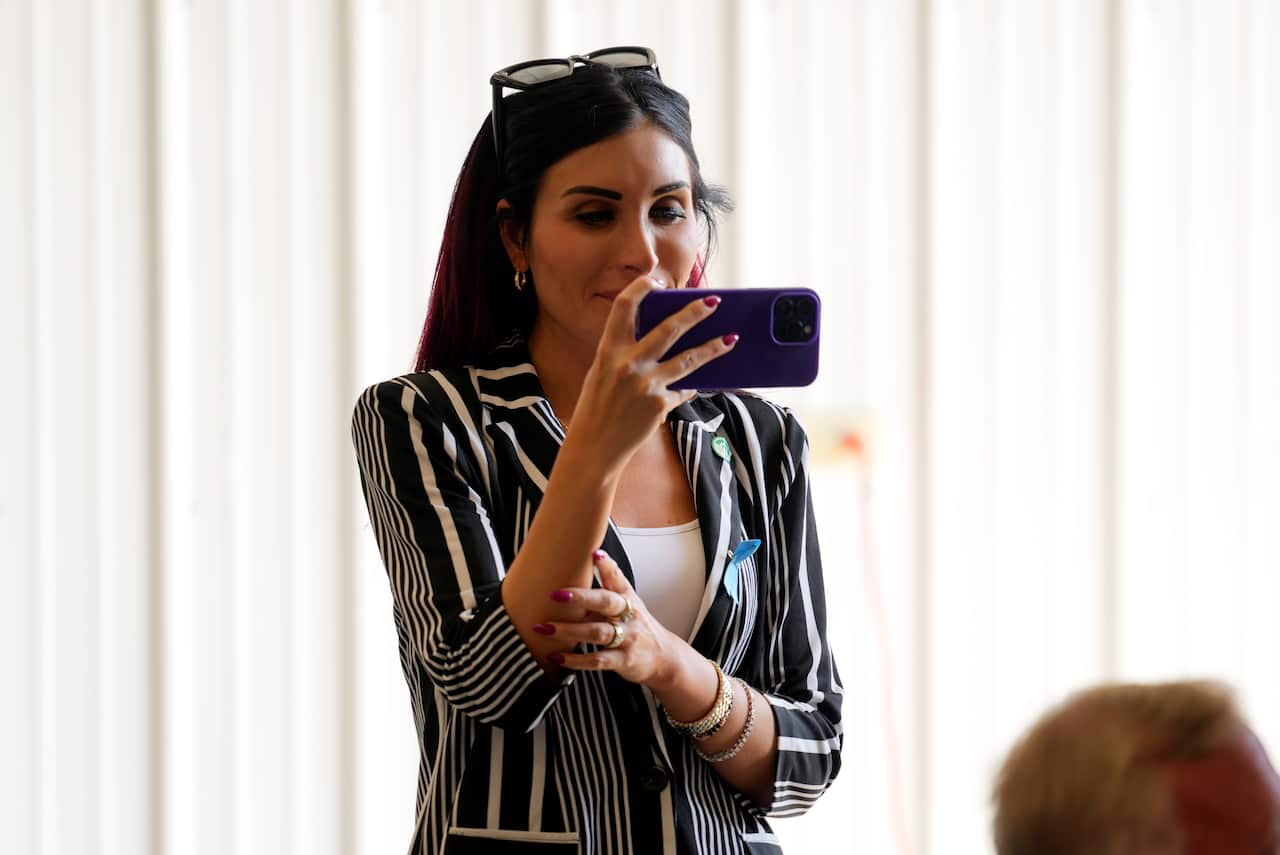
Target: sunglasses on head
[[534, 73]]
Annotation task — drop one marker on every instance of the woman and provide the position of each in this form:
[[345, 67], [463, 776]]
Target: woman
[[537, 449]]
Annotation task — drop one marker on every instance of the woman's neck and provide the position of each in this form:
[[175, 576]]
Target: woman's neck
[[562, 363]]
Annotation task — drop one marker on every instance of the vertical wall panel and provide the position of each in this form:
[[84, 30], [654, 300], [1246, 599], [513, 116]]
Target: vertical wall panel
[[387, 317], [886, 191], [191, 779], [964, 228], [826, 206], [1024, 424], [1074, 554], [319, 400], [1261, 326], [66, 408], [21, 659], [1152, 360], [261, 335], [201, 356], [126, 467], [1215, 416]]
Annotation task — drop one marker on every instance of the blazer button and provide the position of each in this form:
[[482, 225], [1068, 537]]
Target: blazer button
[[654, 779]]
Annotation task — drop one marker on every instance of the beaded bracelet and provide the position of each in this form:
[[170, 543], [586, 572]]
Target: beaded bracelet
[[732, 750], [716, 716]]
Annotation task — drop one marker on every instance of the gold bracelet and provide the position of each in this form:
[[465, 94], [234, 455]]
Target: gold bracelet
[[732, 750], [716, 716]]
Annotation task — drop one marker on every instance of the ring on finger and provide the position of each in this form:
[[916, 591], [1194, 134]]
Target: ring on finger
[[618, 634], [627, 614]]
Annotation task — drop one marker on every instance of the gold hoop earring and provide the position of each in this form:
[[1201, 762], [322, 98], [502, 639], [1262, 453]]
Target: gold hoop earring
[[521, 279]]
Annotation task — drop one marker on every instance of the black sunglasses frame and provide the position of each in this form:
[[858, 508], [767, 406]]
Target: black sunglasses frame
[[502, 79]]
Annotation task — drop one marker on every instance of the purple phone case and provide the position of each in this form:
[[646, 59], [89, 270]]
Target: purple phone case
[[759, 360]]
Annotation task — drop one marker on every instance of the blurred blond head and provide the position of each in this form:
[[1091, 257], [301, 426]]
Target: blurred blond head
[[1087, 778]]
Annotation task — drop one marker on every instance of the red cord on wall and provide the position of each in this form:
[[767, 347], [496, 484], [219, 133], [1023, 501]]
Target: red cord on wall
[[854, 443]]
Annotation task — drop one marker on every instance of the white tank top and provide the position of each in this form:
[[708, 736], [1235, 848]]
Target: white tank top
[[670, 572]]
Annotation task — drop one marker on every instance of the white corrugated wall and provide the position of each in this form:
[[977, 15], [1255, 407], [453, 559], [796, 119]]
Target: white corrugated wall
[[1047, 239]]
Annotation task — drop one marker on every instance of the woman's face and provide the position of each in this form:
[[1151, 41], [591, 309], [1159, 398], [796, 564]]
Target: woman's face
[[604, 215]]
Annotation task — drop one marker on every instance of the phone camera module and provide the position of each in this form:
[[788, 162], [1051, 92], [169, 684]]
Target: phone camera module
[[794, 319]]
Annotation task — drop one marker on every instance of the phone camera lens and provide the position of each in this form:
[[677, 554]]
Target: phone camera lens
[[794, 319]]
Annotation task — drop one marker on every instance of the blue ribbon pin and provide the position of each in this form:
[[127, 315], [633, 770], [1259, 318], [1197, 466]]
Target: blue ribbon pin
[[744, 551]]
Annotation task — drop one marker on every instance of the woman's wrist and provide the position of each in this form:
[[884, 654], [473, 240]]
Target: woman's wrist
[[687, 685], [731, 751], [709, 723], [587, 460]]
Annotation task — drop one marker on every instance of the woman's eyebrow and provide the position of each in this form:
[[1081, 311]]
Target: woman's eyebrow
[[589, 190], [593, 191]]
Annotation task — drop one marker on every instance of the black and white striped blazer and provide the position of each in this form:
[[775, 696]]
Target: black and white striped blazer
[[453, 465]]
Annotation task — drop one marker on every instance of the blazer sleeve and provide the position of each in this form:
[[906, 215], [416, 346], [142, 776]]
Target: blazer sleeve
[[426, 498], [801, 684]]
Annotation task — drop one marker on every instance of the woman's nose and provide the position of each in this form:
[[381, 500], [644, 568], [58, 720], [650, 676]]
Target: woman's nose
[[638, 249]]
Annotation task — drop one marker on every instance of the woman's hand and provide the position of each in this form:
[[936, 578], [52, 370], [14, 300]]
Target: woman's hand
[[624, 396], [646, 652]]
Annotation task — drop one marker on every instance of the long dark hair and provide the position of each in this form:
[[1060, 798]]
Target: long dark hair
[[474, 305]]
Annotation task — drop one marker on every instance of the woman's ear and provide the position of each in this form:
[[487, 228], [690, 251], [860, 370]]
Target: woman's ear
[[512, 236]]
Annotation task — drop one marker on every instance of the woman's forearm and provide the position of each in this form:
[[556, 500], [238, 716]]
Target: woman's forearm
[[570, 523], [688, 691]]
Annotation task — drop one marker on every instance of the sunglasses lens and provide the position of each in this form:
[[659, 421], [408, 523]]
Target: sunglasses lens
[[622, 59], [535, 74]]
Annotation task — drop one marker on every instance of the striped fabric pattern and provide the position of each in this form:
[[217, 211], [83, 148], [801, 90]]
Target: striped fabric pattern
[[453, 465]]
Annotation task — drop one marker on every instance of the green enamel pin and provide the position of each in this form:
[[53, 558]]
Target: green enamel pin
[[720, 446]]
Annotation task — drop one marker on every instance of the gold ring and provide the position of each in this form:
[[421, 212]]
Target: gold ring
[[626, 616], [617, 636]]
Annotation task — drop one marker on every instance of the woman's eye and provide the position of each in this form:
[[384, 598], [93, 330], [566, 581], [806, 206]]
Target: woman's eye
[[667, 213], [595, 218]]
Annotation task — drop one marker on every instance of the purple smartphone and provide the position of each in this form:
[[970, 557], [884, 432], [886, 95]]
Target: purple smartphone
[[778, 328]]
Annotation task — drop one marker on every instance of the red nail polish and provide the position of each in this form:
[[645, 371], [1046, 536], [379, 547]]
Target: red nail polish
[[599, 555], [711, 301], [544, 629], [731, 339], [562, 596], [556, 658]]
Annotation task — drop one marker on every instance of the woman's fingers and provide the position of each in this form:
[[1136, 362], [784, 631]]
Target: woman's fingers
[[602, 601], [600, 633], [611, 575], [601, 660], [594, 610], [620, 328], [626, 638], [627, 381], [621, 325], [685, 363], [661, 338]]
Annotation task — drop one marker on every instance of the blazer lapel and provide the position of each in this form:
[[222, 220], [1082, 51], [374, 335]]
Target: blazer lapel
[[517, 406], [708, 460]]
